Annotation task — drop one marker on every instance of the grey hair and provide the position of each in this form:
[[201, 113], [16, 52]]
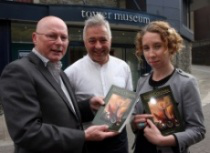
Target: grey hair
[[97, 20]]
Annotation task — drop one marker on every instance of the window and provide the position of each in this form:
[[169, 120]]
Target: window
[[22, 31], [186, 13]]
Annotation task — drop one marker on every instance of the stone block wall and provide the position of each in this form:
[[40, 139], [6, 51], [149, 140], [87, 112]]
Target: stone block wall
[[183, 59], [201, 53], [109, 3]]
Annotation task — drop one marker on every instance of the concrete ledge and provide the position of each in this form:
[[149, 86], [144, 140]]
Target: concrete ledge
[[6, 143], [6, 147]]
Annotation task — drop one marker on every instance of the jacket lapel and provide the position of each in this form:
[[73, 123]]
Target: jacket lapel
[[45, 72], [71, 94]]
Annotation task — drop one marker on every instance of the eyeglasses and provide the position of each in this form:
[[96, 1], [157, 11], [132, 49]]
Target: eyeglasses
[[54, 37]]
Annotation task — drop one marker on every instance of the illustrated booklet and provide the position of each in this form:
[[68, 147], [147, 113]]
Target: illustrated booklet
[[119, 104], [162, 105]]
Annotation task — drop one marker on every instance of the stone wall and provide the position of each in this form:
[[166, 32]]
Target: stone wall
[[183, 59], [201, 52], [109, 3]]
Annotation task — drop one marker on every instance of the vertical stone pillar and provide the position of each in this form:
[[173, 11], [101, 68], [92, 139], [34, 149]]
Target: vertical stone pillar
[[183, 60]]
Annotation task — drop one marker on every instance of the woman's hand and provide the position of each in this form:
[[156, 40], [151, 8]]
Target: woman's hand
[[153, 135], [140, 120]]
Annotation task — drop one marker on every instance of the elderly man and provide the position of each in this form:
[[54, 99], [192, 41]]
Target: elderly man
[[40, 108]]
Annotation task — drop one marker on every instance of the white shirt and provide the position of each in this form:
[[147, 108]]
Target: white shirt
[[89, 78]]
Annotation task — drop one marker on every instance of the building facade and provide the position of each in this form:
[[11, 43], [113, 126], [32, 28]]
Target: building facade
[[201, 45], [18, 19]]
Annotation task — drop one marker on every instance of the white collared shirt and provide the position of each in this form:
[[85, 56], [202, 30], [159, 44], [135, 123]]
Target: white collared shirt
[[89, 78]]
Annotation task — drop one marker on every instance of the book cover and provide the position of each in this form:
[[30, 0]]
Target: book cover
[[119, 104], [161, 104]]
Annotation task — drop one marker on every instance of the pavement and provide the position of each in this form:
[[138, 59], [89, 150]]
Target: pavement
[[202, 73]]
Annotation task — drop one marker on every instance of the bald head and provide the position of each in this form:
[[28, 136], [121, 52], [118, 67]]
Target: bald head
[[51, 38], [47, 22]]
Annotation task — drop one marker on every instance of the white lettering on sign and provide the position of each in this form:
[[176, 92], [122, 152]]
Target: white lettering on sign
[[118, 16]]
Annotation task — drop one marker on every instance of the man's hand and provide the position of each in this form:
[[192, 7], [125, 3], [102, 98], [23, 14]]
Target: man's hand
[[96, 103], [98, 133]]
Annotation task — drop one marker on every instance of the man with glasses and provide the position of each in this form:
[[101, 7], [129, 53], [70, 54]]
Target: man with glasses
[[41, 112]]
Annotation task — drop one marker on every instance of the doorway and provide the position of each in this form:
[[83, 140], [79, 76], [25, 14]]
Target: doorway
[[126, 54]]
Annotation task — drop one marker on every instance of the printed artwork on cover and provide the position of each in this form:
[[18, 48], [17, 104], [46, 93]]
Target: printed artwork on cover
[[116, 109], [162, 105]]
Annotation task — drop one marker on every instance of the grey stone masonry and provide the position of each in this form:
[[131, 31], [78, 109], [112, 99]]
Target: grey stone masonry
[[183, 59]]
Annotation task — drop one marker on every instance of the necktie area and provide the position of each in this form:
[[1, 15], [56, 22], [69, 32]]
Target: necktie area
[[55, 70]]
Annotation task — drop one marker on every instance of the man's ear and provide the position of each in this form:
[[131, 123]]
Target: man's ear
[[34, 37]]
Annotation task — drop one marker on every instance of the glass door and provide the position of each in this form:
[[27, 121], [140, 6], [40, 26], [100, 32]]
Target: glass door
[[133, 62], [75, 53], [128, 55]]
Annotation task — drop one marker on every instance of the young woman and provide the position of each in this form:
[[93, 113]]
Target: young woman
[[158, 42]]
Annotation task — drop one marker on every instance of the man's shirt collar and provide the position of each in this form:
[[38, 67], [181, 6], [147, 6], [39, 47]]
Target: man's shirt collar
[[45, 60]]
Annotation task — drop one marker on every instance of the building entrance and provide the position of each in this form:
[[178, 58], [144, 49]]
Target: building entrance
[[126, 54], [122, 46]]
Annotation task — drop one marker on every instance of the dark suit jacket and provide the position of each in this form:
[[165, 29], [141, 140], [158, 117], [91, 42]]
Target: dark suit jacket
[[38, 114]]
